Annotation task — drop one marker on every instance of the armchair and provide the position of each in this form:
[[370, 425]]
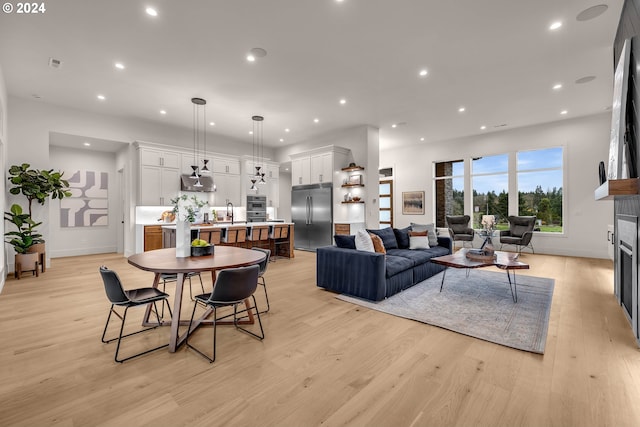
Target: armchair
[[459, 229], [519, 233]]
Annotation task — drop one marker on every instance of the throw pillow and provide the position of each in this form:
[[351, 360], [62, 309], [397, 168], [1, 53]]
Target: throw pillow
[[431, 228], [388, 237], [419, 240], [344, 241], [378, 246], [363, 241], [402, 237]]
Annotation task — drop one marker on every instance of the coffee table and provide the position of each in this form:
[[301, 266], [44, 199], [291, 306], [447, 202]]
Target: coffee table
[[504, 260]]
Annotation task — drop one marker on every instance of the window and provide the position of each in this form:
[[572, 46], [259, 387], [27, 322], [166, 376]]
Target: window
[[449, 190], [386, 203], [490, 182], [540, 180]]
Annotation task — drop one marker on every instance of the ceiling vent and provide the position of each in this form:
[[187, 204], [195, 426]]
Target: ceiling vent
[[54, 63]]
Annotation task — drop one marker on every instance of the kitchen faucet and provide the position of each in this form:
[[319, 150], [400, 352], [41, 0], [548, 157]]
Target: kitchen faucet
[[230, 204]]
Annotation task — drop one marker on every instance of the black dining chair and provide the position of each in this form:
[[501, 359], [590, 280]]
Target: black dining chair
[[263, 269], [127, 299], [232, 287]]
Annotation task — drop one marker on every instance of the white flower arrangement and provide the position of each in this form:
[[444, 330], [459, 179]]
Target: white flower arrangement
[[488, 222], [186, 208]]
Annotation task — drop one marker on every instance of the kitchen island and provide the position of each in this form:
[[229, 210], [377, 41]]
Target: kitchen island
[[276, 236]]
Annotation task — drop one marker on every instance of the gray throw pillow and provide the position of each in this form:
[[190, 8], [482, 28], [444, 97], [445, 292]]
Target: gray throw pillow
[[431, 232]]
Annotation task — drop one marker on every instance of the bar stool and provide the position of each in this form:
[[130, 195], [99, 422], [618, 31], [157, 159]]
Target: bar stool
[[235, 234], [259, 235], [279, 236]]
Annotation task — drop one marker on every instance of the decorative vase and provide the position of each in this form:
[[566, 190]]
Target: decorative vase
[[183, 239]]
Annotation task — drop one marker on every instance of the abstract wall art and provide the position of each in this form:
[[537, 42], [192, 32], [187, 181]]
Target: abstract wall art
[[88, 204]]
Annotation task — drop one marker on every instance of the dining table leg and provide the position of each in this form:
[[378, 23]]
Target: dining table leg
[[175, 320]]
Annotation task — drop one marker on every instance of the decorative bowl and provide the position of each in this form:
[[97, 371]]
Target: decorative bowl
[[202, 250], [356, 199]]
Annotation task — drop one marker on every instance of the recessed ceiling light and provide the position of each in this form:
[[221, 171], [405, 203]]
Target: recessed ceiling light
[[256, 52], [212, 124], [250, 132], [557, 86], [555, 25], [101, 97], [119, 65], [316, 120], [592, 12], [86, 144], [343, 101], [461, 110], [163, 112], [394, 125], [483, 127], [281, 139], [422, 139], [585, 79], [423, 73], [287, 130], [339, 1], [151, 11], [563, 112]]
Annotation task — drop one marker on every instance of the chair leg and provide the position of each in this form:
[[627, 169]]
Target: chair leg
[[120, 336], [235, 320], [211, 360], [266, 297]]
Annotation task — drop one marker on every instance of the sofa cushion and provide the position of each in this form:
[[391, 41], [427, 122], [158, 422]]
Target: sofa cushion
[[419, 256], [397, 264], [363, 241], [378, 246], [419, 242], [430, 228], [344, 241], [402, 237], [388, 237]]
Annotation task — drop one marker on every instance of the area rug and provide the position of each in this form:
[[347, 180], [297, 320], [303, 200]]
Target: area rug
[[479, 306]]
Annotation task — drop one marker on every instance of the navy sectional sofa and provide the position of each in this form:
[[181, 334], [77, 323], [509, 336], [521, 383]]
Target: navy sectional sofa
[[375, 276]]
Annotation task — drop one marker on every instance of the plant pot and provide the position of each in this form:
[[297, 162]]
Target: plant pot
[[40, 249], [26, 262], [202, 250]]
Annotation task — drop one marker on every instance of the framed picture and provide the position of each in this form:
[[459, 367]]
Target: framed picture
[[413, 202], [355, 179]]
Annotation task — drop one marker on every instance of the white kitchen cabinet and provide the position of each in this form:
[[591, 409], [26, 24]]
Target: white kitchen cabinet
[[321, 168], [225, 165], [301, 171], [159, 176], [228, 189], [153, 157]]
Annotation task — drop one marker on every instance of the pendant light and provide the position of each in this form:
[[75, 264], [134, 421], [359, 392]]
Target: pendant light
[[257, 161], [198, 104]]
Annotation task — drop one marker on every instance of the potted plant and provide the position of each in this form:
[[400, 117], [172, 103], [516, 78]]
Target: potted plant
[[36, 184], [24, 239], [39, 185]]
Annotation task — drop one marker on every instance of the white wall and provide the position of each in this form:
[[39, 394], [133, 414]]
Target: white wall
[[585, 141], [3, 173], [71, 241]]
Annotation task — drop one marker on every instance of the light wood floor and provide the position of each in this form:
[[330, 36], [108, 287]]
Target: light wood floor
[[323, 362]]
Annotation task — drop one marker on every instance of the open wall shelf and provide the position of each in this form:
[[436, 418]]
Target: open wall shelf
[[618, 187]]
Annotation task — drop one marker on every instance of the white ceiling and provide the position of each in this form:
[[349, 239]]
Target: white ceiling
[[497, 58]]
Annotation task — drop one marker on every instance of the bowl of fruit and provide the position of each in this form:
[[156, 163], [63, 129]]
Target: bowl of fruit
[[201, 247]]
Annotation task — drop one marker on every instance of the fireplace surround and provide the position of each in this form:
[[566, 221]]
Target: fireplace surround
[[626, 269]]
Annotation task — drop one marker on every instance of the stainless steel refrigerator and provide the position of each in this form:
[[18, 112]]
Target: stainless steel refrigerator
[[312, 215]]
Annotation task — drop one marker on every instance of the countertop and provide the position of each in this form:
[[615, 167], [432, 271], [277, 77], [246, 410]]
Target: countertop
[[225, 225]]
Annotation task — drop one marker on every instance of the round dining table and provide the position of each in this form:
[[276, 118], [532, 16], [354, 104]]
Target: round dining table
[[164, 261]]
